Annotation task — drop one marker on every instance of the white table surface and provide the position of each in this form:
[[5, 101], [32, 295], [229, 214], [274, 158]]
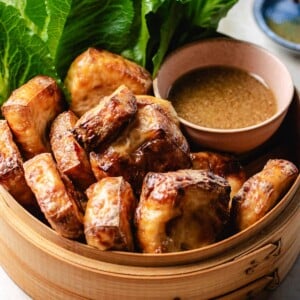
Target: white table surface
[[239, 23]]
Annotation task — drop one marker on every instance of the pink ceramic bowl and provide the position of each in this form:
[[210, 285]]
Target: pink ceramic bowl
[[234, 53]]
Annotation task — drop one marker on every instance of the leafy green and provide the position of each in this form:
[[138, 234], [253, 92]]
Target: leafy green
[[93, 23], [167, 25], [44, 36], [22, 53]]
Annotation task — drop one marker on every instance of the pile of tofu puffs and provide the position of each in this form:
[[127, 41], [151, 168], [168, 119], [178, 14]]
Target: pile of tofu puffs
[[111, 166]]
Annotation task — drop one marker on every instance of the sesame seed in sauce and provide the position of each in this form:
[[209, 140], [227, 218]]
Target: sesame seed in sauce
[[222, 97]]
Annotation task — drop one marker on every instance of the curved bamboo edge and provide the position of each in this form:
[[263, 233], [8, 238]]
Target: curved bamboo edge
[[42, 267], [139, 259]]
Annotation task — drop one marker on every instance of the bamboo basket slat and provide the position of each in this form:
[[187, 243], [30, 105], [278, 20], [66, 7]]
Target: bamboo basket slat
[[251, 291], [242, 266], [72, 276]]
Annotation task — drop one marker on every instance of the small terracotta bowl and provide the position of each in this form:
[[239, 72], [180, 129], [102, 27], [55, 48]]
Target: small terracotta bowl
[[232, 53]]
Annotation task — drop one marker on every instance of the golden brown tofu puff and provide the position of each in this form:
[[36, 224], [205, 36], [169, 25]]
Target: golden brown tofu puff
[[151, 142], [29, 112], [260, 193], [71, 158], [56, 196], [181, 210], [104, 121], [11, 168], [164, 106], [97, 73], [108, 219], [224, 165]]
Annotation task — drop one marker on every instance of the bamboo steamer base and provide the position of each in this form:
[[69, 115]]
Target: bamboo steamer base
[[244, 266], [44, 269]]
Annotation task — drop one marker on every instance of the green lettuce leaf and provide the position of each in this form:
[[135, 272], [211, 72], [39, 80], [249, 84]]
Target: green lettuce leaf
[[23, 53], [45, 36], [91, 23], [168, 24]]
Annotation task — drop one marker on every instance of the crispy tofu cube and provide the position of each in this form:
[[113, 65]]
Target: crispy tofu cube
[[105, 120], [224, 165], [71, 158], [109, 215], [151, 142], [56, 195], [163, 105], [29, 111], [11, 168], [97, 73], [261, 192], [181, 210]]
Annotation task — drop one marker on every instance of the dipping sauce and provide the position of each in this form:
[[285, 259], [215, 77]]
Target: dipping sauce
[[222, 97], [289, 30]]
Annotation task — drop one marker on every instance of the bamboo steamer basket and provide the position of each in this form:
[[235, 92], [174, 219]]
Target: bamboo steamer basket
[[246, 265]]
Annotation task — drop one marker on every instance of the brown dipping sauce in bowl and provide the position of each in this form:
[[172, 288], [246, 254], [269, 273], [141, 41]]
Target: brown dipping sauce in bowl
[[230, 95], [222, 97]]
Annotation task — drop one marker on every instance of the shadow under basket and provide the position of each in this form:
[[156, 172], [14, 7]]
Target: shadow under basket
[[244, 266]]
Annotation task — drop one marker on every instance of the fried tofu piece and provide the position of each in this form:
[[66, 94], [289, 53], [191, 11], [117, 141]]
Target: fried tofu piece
[[29, 111], [151, 142], [224, 165], [181, 210], [165, 106], [97, 73], [105, 120], [11, 168], [108, 219], [56, 195], [71, 158], [261, 192]]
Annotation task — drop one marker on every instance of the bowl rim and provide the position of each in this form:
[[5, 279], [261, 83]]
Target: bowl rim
[[222, 39], [260, 19]]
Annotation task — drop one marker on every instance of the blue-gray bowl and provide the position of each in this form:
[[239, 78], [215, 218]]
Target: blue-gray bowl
[[278, 11]]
